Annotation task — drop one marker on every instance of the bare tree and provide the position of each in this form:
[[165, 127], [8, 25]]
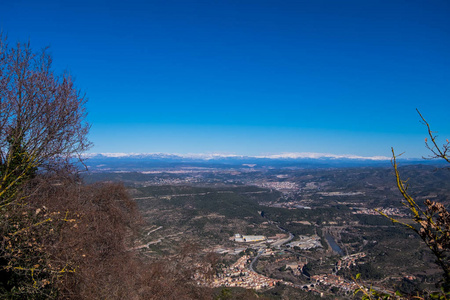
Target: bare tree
[[59, 238], [432, 221], [42, 116], [42, 127]]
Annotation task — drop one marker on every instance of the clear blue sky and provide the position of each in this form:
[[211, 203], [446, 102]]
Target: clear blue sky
[[249, 77]]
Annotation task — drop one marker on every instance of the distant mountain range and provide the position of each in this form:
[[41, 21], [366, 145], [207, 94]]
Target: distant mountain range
[[146, 161], [212, 156]]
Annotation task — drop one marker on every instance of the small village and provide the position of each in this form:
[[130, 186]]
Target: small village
[[390, 211], [242, 274], [239, 275]]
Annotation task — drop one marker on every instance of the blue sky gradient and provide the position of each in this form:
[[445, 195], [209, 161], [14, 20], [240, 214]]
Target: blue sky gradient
[[249, 77]]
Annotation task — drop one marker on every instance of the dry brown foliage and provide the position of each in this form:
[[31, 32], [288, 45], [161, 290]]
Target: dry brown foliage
[[65, 229], [85, 250]]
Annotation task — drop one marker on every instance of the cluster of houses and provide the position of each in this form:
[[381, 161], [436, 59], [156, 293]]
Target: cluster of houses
[[238, 275], [336, 281], [390, 211], [348, 261]]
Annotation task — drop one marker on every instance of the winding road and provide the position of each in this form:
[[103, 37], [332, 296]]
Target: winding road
[[276, 244]]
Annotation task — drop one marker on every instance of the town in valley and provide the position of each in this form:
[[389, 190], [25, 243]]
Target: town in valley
[[306, 228]]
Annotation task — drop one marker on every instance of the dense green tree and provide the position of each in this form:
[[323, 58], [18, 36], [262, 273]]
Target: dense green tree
[[15, 171]]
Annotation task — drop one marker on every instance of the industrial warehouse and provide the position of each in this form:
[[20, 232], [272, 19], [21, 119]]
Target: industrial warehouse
[[249, 238]]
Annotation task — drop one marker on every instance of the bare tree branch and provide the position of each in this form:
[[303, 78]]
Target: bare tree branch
[[438, 152], [432, 223], [41, 113]]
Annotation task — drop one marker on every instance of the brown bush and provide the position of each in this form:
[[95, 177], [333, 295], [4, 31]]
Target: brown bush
[[82, 238]]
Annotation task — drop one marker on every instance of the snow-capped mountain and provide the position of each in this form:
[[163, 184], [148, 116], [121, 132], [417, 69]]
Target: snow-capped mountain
[[148, 161], [214, 156]]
